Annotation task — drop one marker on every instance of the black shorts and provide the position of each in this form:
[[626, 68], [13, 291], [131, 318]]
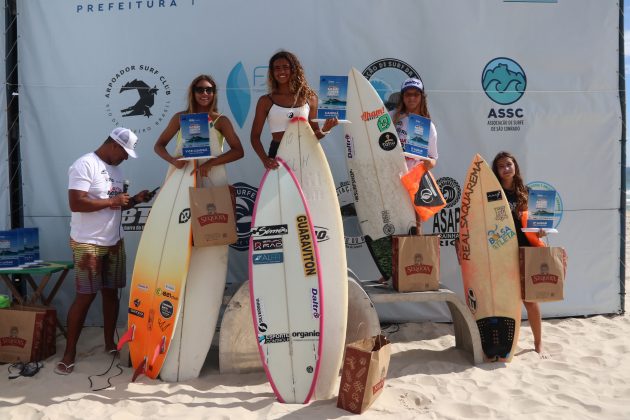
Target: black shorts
[[273, 148]]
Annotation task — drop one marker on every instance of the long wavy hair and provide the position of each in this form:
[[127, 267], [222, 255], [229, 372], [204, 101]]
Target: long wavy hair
[[401, 109], [297, 83], [192, 104], [519, 186]]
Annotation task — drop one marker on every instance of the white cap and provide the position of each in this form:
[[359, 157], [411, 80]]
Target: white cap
[[412, 83], [126, 138]]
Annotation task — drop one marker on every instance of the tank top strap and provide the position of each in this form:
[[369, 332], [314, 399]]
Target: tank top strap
[[219, 135]]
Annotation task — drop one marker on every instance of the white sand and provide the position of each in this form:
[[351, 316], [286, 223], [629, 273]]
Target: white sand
[[588, 376]]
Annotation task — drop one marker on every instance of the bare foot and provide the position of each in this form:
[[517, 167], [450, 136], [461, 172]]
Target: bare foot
[[542, 353]]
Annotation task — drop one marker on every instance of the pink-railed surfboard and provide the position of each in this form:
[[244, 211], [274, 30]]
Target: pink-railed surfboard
[[285, 286], [301, 150]]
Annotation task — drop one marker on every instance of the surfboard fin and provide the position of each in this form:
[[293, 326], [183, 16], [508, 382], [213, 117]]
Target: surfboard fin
[[159, 349], [140, 370], [126, 337]]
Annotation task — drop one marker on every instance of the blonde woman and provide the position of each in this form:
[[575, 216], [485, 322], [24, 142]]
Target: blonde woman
[[202, 98]]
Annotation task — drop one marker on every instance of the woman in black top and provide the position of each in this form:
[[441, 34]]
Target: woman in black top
[[506, 169]]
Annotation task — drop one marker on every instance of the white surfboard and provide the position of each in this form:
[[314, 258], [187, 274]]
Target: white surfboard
[[489, 262], [202, 296], [285, 286], [375, 162], [303, 153]]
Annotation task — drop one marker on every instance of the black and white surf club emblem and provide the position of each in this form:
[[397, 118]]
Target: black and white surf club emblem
[[137, 96], [451, 190], [386, 75]]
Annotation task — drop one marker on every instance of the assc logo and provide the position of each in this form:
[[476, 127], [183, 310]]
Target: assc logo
[[138, 97], [503, 80], [245, 198], [386, 75], [239, 91]]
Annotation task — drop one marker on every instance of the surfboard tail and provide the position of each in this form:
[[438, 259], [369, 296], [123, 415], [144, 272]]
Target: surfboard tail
[[497, 337]]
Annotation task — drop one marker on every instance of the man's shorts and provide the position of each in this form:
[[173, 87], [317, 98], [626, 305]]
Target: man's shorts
[[98, 267]]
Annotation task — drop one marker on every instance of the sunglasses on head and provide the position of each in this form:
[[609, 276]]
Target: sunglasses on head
[[203, 89]]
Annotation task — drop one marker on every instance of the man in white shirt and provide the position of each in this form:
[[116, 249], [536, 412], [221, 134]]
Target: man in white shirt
[[97, 194]]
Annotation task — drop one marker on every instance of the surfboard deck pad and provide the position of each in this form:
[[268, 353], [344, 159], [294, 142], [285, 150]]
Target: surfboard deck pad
[[497, 336]]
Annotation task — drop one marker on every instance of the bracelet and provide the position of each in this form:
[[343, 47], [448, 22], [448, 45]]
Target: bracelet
[[324, 132]]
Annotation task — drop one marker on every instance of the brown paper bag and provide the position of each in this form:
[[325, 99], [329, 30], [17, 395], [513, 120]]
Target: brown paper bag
[[416, 262], [543, 270], [212, 211], [26, 334], [363, 374]]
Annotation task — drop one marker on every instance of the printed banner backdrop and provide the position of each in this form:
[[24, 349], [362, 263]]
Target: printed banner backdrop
[[81, 62], [5, 219]]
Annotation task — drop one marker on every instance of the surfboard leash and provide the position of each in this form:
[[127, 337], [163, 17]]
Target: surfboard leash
[[114, 354]]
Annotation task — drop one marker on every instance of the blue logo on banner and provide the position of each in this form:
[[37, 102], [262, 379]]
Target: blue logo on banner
[[238, 94], [503, 80], [270, 258], [240, 89]]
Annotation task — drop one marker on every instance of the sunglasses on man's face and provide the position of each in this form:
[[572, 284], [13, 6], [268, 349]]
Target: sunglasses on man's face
[[204, 89]]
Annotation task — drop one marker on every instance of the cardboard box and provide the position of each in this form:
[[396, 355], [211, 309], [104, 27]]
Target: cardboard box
[[27, 333]]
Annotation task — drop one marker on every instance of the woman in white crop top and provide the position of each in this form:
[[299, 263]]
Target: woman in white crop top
[[290, 97], [202, 97]]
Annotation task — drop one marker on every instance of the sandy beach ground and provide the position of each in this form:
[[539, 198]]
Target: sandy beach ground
[[587, 377]]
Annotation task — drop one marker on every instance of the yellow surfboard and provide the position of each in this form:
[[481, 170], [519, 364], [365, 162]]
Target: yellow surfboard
[[159, 274], [489, 262]]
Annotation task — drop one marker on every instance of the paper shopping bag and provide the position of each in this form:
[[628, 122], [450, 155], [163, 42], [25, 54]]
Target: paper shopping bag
[[363, 374], [543, 270], [416, 262], [212, 211]]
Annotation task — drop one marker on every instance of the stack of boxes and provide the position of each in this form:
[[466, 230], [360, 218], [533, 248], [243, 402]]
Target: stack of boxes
[[19, 248]]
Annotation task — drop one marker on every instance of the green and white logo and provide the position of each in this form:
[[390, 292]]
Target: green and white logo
[[503, 80]]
